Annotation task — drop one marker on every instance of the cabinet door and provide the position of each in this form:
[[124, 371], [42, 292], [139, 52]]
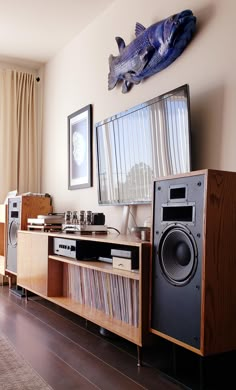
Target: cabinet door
[[32, 260]]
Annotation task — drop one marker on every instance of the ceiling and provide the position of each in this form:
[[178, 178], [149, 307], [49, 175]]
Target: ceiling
[[31, 32]]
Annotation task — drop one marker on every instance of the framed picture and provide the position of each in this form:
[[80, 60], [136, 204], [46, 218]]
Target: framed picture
[[79, 148]]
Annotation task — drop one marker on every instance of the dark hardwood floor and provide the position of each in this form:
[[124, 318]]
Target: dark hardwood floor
[[72, 354]]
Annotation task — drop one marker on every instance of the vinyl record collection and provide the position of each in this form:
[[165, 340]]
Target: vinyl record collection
[[115, 295]]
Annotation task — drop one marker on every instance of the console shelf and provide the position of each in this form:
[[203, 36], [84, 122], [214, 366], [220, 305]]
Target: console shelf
[[114, 299], [99, 266], [118, 327]]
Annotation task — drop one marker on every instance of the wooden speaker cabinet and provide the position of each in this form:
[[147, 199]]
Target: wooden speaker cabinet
[[20, 208], [193, 297]]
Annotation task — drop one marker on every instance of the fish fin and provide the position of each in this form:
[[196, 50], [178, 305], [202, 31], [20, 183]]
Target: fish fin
[[129, 77], [121, 43], [112, 79], [126, 86], [111, 58], [142, 59], [139, 29], [146, 54]]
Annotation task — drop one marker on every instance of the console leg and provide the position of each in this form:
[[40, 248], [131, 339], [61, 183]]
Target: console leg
[[139, 354]]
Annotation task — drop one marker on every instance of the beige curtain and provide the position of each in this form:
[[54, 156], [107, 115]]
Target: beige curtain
[[19, 134]]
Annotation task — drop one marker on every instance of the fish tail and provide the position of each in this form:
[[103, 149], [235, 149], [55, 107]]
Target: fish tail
[[112, 78]]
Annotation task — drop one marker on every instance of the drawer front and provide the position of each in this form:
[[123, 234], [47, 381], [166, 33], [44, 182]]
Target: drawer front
[[121, 263]]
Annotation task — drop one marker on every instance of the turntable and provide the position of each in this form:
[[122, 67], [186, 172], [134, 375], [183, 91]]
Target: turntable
[[50, 222]]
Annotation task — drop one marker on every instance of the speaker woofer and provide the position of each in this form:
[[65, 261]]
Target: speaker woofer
[[178, 255], [13, 229]]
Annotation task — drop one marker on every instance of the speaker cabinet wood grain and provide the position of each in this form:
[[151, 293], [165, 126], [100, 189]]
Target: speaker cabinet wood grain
[[193, 293]]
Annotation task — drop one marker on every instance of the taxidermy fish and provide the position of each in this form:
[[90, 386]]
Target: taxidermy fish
[[153, 49]]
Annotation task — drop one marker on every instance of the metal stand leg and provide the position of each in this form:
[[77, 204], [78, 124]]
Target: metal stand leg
[[86, 324], [17, 290], [139, 354]]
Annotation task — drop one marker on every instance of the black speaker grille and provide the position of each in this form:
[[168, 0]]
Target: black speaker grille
[[177, 273], [178, 255]]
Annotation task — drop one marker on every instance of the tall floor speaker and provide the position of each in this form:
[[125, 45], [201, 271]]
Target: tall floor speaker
[[20, 208], [193, 297]]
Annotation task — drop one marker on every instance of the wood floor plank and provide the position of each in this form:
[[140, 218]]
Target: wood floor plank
[[67, 355], [50, 366], [103, 349]]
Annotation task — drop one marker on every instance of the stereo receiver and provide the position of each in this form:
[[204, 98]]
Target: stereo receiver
[[64, 247], [75, 249]]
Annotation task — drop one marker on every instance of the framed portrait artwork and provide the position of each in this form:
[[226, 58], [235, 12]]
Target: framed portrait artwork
[[79, 148]]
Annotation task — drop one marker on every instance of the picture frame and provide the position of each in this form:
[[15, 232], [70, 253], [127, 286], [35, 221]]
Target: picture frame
[[80, 148]]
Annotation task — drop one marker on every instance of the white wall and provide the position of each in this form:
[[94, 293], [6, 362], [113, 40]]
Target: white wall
[[77, 76]]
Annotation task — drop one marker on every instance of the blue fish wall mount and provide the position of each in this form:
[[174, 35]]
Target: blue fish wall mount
[[153, 49]]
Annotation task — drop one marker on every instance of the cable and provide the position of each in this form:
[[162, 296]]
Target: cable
[[109, 227], [132, 215]]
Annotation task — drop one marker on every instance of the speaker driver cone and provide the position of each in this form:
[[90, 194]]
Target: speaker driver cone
[[178, 255], [13, 229]]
